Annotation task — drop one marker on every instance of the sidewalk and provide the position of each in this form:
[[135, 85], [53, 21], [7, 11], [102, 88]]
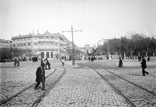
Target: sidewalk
[[82, 88]]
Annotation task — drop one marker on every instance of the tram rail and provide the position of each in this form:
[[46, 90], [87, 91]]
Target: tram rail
[[36, 102], [20, 96], [128, 98]]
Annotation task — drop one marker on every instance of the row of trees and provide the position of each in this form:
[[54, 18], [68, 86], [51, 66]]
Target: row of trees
[[9, 53], [136, 45]]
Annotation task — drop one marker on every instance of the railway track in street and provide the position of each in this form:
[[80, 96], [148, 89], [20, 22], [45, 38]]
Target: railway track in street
[[37, 101], [134, 94], [28, 96]]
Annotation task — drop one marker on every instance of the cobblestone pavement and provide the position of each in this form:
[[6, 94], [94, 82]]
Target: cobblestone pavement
[[133, 72], [139, 97], [135, 75], [13, 79], [28, 97], [82, 88]]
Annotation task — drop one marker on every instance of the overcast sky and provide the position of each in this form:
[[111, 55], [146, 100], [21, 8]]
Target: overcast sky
[[99, 19]]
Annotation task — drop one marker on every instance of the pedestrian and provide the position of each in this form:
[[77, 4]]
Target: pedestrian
[[148, 59], [62, 61], [92, 58], [40, 76], [143, 65], [15, 62], [120, 62], [48, 64], [89, 58], [139, 58], [18, 62]]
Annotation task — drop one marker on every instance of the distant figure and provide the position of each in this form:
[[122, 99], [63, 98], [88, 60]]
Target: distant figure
[[148, 59], [139, 58], [120, 62], [40, 76], [29, 59], [89, 58], [92, 58], [43, 64], [143, 65], [15, 62], [62, 61], [48, 64], [18, 62]]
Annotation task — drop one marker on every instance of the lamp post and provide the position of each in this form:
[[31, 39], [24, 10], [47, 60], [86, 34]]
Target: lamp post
[[73, 47]]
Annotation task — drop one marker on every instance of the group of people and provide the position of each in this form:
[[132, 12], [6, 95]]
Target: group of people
[[143, 64], [40, 73], [16, 62], [91, 58], [47, 64]]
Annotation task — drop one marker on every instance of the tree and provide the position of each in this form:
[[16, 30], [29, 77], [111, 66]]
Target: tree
[[5, 54], [138, 44]]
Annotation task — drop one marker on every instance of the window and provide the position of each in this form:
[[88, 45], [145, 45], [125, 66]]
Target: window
[[42, 54], [51, 54], [47, 54]]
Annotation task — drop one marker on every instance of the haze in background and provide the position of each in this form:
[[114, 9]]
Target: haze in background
[[99, 19]]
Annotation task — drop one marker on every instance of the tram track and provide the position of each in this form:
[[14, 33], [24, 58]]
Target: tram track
[[44, 94], [24, 96], [134, 94], [114, 88]]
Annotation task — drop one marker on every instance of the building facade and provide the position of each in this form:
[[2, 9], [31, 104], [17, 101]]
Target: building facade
[[5, 43], [45, 45]]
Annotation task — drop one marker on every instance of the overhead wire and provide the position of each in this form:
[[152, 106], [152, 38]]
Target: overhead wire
[[60, 13], [83, 13]]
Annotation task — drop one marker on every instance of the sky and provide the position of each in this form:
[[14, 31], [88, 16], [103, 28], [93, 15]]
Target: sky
[[98, 19]]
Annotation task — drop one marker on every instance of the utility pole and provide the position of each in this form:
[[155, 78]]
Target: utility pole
[[73, 47]]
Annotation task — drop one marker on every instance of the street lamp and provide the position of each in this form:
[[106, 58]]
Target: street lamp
[[73, 47]]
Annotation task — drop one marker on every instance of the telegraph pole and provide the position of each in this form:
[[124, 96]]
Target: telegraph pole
[[73, 47]]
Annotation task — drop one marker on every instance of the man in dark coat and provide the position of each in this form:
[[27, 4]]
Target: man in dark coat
[[15, 62], [143, 65], [40, 76], [120, 62]]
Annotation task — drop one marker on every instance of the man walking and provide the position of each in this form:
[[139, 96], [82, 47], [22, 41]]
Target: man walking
[[120, 62], [143, 65], [40, 76]]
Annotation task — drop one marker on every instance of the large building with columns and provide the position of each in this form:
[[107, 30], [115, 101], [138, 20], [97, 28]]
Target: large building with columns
[[45, 45]]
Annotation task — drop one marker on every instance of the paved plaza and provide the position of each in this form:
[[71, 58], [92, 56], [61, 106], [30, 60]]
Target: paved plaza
[[81, 86]]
